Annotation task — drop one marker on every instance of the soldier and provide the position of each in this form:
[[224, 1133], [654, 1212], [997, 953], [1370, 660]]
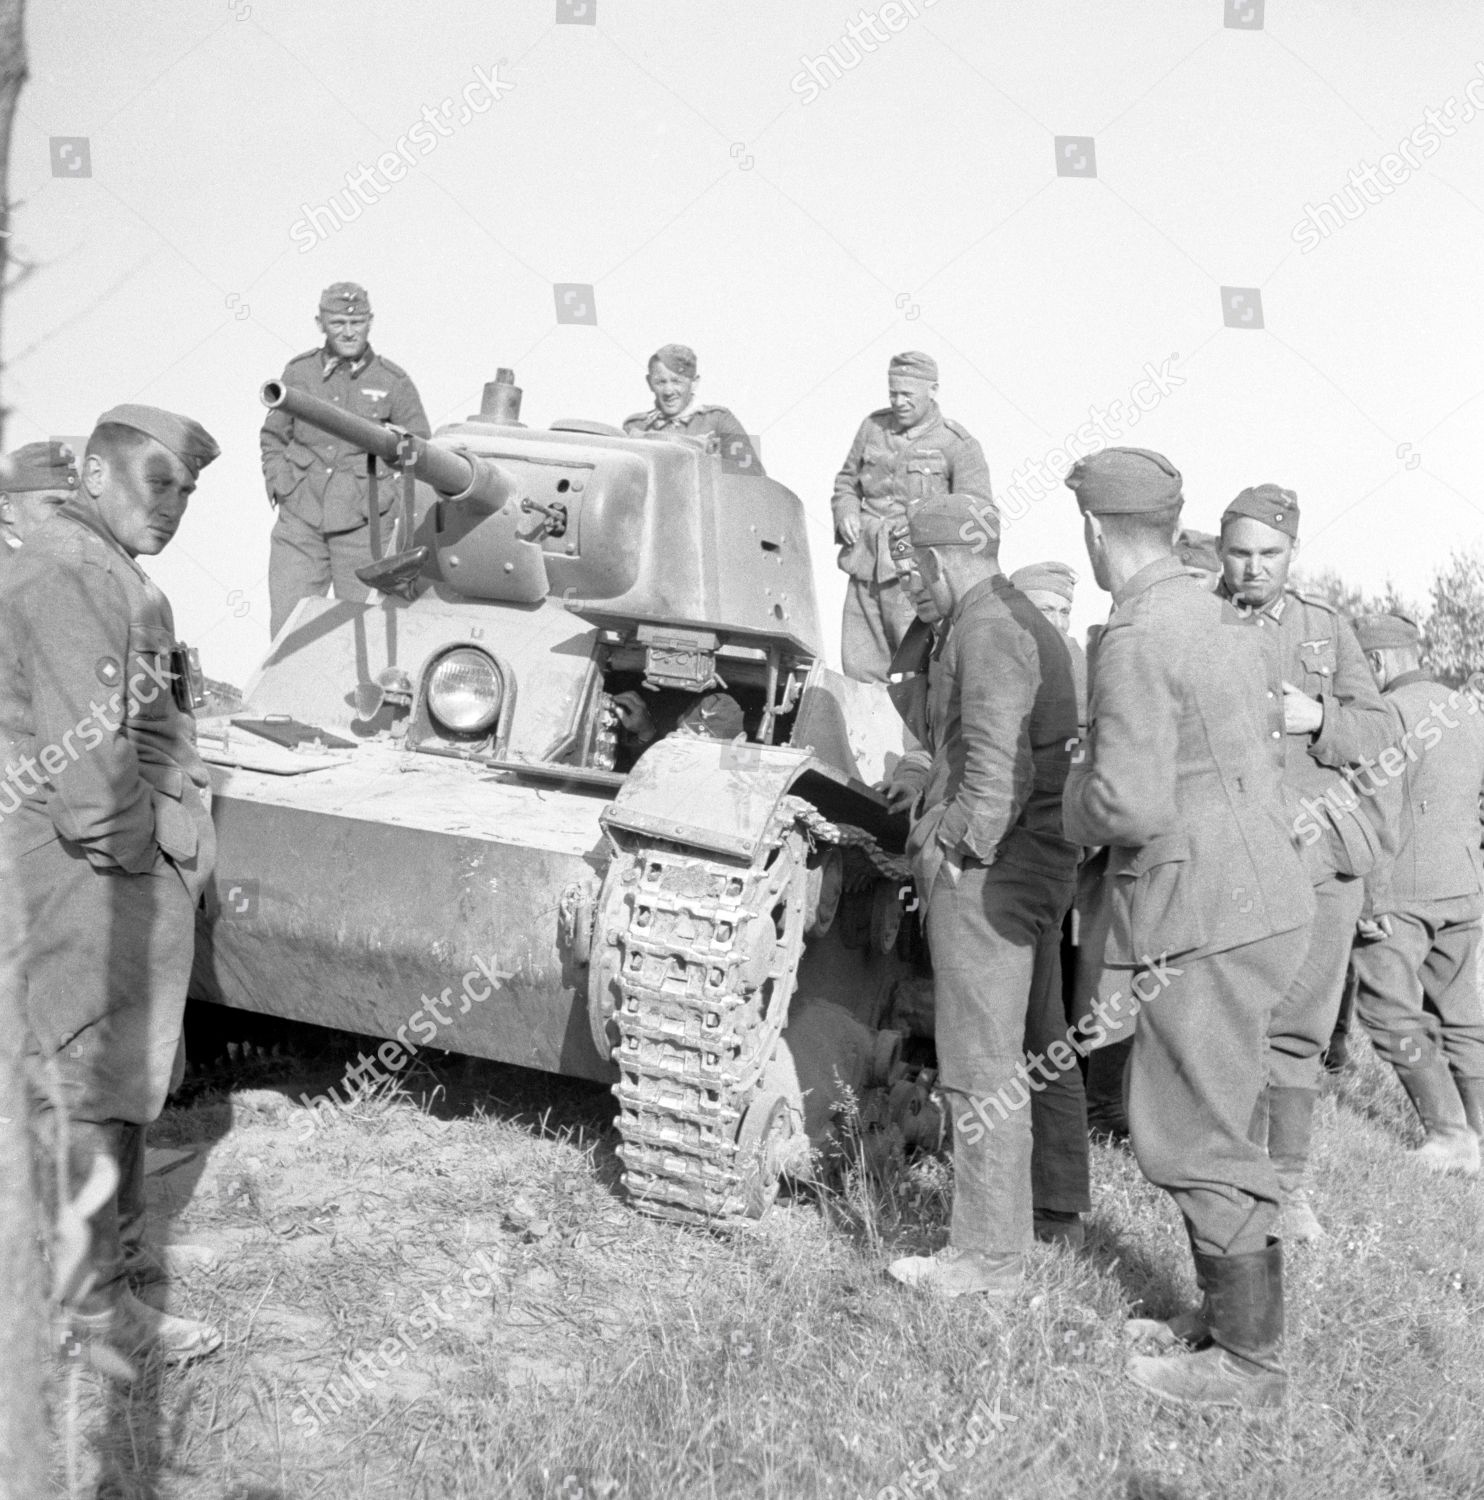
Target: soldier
[[996, 873], [318, 483], [913, 666], [903, 454], [34, 481], [107, 804], [1197, 553], [1333, 717], [673, 379], [1049, 586], [1416, 988], [1209, 910]]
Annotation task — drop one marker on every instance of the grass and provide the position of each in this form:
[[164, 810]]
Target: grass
[[618, 1356]]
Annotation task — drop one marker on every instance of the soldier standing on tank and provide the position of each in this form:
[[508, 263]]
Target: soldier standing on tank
[[1333, 718], [673, 379], [107, 805], [1417, 990], [319, 483], [903, 454], [1182, 780], [996, 873]]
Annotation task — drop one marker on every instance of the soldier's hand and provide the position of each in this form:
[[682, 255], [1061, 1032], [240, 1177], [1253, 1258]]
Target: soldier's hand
[[634, 716], [900, 794], [849, 528], [1301, 713], [1373, 929]]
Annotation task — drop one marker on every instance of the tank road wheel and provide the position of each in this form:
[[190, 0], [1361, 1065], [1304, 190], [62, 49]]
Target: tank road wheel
[[826, 886], [886, 917], [766, 1142]]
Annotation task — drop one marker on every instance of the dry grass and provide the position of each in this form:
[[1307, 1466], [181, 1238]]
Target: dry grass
[[617, 1356]]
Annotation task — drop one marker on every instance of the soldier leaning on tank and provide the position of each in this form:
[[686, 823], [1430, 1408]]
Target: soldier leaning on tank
[[317, 482], [996, 875], [1182, 780], [34, 481], [108, 807], [1333, 718], [673, 379], [903, 454], [1417, 990]]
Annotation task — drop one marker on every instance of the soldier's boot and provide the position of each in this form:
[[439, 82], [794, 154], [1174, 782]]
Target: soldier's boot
[[1242, 1365], [1450, 1145], [1471, 1091], [1054, 1226], [954, 1273], [1290, 1131], [1191, 1328], [1106, 1116]]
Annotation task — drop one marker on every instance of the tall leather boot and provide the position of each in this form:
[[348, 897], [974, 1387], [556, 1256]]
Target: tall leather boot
[[1471, 1091], [1242, 1366], [1290, 1129], [1450, 1145], [1106, 1067], [1191, 1328]]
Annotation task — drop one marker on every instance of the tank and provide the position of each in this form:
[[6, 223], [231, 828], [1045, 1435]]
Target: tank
[[575, 790]]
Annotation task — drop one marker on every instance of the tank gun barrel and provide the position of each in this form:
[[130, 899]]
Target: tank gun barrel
[[455, 474]]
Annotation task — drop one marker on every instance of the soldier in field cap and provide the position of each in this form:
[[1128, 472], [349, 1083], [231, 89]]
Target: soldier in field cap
[[107, 805], [1049, 586], [1417, 993], [318, 483], [996, 875], [1208, 912], [903, 454], [1333, 719], [673, 379], [34, 480]]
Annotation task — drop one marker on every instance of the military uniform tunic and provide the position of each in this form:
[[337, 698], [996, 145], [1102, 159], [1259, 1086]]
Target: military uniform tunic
[[713, 425], [1209, 907], [1000, 717], [886, 471], [106, 802], [1312, 646], [319, 483], [1417, 988]]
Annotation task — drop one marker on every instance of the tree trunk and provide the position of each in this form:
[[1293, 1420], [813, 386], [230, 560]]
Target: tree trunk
[[23, 1426]]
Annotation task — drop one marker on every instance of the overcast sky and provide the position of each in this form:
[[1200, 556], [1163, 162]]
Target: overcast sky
[[796, 225]]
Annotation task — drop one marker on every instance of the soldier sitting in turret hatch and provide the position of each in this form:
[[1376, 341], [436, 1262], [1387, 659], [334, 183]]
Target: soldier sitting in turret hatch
[[645, 718], [673, 379]]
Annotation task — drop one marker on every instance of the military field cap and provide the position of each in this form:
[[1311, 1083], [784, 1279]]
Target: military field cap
[[899, 540], [39, 466], [1268, 503], [1124, 481], [346, 298], [1197, 549], [954, 521], [1387, 632], [1053, 577], [915, 363], [188, 440], [717, 715], [680, 358]]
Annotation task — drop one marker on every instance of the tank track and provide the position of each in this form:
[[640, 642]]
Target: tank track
[[698, 959]]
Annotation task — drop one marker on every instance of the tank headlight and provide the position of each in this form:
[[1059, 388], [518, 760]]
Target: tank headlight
[[464, 692]]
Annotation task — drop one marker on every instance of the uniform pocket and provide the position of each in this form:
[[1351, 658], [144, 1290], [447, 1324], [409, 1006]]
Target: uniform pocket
[[149, 679], [1162, 915]]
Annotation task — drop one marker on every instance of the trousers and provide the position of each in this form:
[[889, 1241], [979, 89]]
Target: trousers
[[1196, 1070], [1019, 1131], [876, 618], [303, 562], [1417, 992], [1305, 1019]]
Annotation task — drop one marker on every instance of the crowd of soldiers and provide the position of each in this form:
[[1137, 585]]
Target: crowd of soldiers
[[1239, 794]]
